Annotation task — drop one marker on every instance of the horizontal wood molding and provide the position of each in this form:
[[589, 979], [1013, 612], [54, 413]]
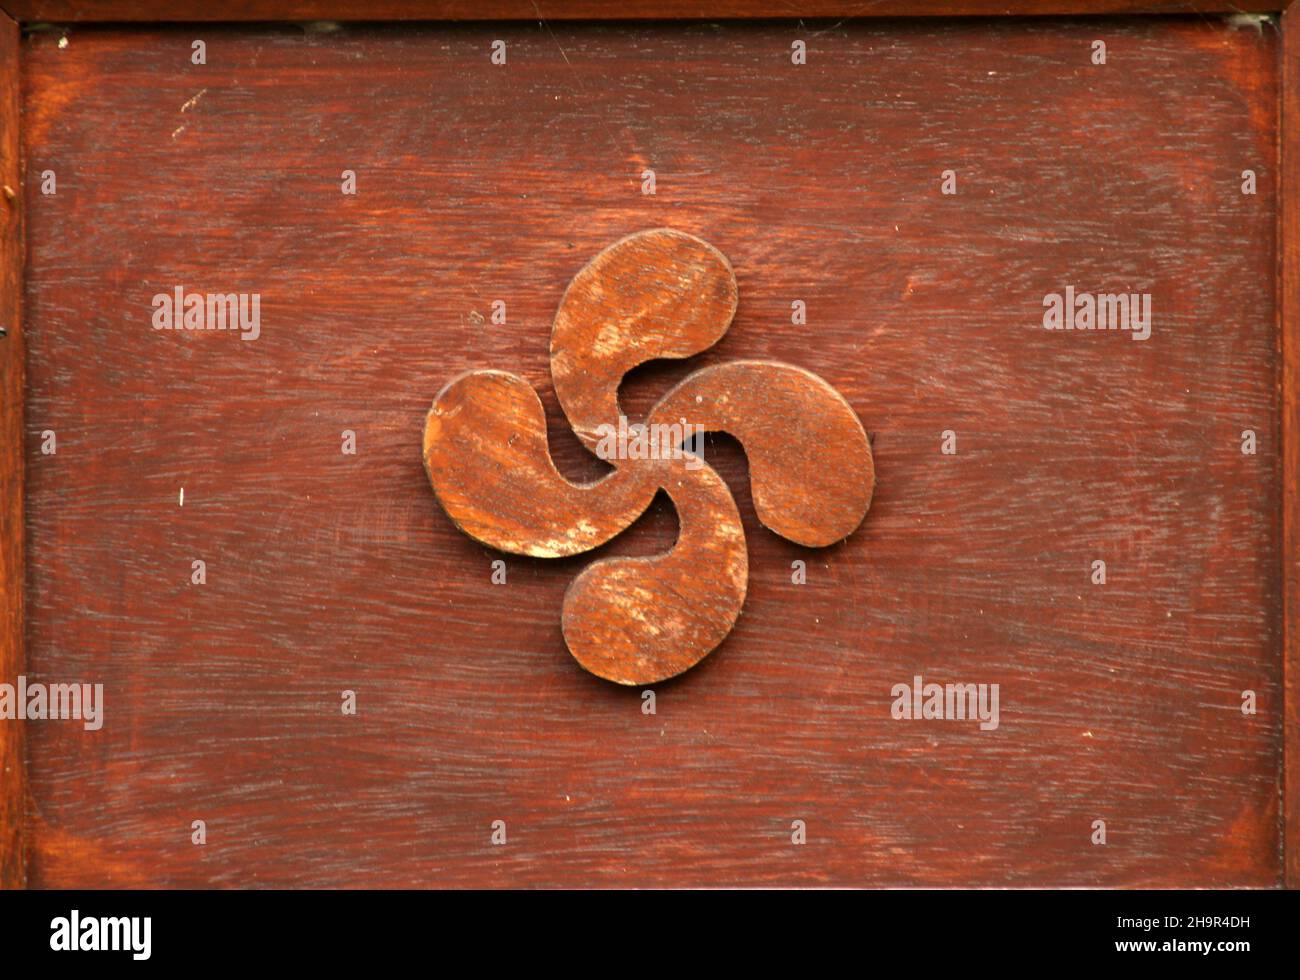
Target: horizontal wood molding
[[65, 11]]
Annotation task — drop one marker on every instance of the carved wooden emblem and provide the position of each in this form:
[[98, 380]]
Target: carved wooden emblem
[[656, 294]]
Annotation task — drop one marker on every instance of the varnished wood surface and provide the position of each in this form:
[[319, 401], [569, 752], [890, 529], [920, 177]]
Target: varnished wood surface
[[657, 294], [12, 781], [1289, 337], [68, 11], [820, 183]]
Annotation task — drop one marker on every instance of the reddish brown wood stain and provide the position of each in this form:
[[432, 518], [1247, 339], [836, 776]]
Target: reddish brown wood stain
[[655, 294], [1289, 344], [97, 11], [13, 787], [820, 183]]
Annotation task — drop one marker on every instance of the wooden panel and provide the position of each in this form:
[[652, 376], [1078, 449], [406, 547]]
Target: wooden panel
[[99, 11], [1119, 702]]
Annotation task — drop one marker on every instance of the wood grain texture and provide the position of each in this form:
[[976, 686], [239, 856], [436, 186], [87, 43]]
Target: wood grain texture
[[177, 11], [821, 183], [488, 461], [658, 294], [12, 771], [643, 620], [1289, 339], [810, 465]]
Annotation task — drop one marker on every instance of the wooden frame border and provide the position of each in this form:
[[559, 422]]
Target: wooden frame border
[[15, 13], [13, 769], [70, 11], [1288, 292]]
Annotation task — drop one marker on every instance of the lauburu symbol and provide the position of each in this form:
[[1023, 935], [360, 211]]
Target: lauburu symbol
[[656, 294]]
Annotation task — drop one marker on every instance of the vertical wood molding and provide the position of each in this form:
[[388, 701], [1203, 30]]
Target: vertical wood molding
[[12, 760], [1289, 338]]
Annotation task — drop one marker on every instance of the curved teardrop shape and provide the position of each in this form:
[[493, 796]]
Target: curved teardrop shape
[[810, 463], [486, 454], [659, 293], [643, 620]]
